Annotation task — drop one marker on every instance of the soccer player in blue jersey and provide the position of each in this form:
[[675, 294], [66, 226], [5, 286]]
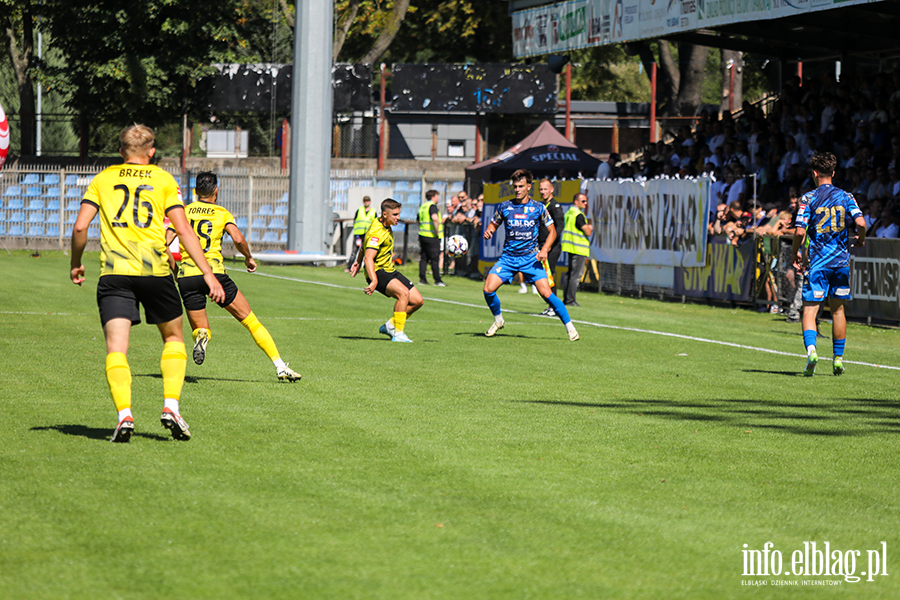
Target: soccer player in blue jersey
[[522, 218], [822, 220]]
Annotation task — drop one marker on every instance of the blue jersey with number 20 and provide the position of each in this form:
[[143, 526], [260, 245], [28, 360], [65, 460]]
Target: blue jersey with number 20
[[522, 224], [824, 213]]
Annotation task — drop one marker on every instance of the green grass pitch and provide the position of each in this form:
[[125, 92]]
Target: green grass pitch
[[629, 464]]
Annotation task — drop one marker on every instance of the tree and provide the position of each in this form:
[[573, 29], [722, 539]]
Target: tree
[[18, 24], [680, 76], [137, 61]]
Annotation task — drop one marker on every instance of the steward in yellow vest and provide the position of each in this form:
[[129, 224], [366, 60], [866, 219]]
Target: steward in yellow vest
[[431, 238], [364, 217], [575, 241]]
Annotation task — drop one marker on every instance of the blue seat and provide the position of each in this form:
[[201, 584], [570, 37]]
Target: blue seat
[[36, 231], [53, 231], [36, 217], [2, 216], [36, 205], [254, 236], [265, 210], [283, 238], [17, 217], [2, 228], [381, 183], [241, 222], [456, 186], [276, 224], [93, 233], [70, 220], [32, 191], [17, 230], [270, 238], [52, 205], [416, 186], [69, 231], [13, 190], [401, 185], [74, 192], [51, 217], [31, 179], [15, 203], [73, 205], [51, 179], [281, 210], [71, 180], [52, 192], [284, 198]]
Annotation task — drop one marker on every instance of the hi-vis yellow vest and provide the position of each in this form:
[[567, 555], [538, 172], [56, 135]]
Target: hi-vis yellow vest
[[573, 239], [426, 225], [362, 220]]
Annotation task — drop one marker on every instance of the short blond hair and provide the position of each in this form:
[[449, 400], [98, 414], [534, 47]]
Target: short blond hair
[[136, 140]]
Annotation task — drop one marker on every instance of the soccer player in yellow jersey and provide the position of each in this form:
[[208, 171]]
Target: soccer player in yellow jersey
[[377, 252], [133, 199], [210, 222]]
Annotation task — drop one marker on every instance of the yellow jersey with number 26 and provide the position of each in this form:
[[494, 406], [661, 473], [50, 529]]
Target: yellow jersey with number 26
[[133, 201]]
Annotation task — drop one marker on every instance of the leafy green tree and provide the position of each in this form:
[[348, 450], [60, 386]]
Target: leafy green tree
[[18, 28], [139, 60]]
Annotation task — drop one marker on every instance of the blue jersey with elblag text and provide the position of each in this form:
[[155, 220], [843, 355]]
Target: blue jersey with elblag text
[[522, 223], [825, 213]]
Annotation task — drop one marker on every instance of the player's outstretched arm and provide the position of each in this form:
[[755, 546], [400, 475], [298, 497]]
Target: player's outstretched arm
[[358, 261], [79, 240], [240, 242], [191, 244], [797, 247], [371, 253], [545, 249], [860, 231], [489, 230]]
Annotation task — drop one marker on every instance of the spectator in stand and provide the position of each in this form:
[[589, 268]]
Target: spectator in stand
[[791, 157], [607, 170], [881, 187], [738, 191], [762, 177], [717, 222], [741, 156], [736, 223], [894, 176], [718, 136], [888, 225]]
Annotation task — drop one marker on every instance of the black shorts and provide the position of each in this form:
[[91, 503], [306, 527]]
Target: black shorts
[[118, 297], [384, 278], [431, 248], [194, 291]]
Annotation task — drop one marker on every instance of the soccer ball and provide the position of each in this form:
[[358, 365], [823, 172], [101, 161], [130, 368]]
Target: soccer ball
[[457, 245]]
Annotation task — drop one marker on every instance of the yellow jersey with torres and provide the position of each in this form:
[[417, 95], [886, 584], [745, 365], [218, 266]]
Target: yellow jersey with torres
[[208, 221], [381, 239], [133, 200]]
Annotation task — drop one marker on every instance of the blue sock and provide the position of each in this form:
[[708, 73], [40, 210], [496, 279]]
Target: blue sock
[[559, 307], [809, 338], [493, 302], [838, 346]]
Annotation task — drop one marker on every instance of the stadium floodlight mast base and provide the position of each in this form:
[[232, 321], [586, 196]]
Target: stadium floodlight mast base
[[310, 164]]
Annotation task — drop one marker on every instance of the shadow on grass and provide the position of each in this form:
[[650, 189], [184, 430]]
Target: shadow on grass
[[785, 373], [95, 433], [835, 418], [192, 379]]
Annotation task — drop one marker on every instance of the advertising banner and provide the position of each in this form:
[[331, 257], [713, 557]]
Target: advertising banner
[[875, 280], [658, 222], [564, 26], [727, 276]]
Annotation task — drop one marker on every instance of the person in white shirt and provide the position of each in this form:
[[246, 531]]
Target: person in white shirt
[[791, 157], [608, 169]]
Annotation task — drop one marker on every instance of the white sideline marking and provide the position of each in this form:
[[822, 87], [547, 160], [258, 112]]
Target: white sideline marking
[[601, 325]]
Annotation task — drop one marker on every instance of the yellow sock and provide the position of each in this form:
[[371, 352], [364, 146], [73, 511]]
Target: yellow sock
[[172, 366], [261, 336], [399, 321], [118, 375]]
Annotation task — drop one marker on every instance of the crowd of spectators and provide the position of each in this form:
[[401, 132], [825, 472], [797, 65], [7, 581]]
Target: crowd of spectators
[[759, 159], [463, 217]]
